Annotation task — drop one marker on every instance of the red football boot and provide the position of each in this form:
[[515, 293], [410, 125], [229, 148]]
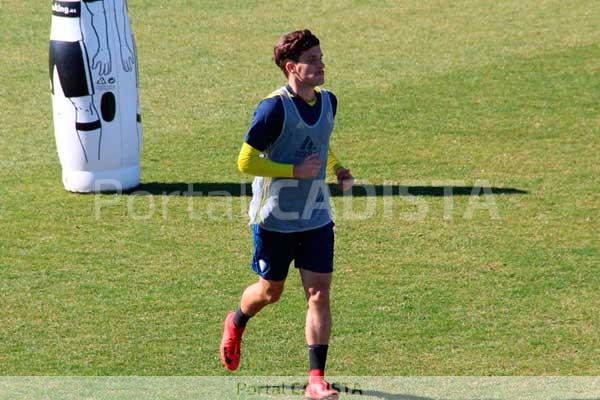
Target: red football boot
[[318, 389], [231, 343]]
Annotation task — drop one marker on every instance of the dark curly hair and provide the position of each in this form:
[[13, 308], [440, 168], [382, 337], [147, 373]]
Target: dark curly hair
[[291, 45]]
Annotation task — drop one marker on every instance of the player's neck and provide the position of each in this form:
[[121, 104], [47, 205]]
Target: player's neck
[[306, 93]]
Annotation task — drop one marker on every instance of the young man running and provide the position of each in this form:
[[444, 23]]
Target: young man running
[[287, 149]]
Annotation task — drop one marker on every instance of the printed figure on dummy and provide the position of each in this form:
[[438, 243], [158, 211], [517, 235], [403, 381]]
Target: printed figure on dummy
[[97, 121]]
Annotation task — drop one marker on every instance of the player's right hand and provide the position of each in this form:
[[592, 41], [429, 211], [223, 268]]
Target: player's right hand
[[309, 168]]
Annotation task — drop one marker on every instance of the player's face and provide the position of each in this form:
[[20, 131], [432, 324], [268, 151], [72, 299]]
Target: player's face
[[310, 69]]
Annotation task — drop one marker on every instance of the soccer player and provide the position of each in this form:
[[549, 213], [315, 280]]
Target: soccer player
[[287, 149]]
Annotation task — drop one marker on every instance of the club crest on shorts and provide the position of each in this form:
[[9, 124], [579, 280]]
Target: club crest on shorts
[[262, 264]]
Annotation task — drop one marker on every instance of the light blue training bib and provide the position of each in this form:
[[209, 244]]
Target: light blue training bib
[[295, 205]]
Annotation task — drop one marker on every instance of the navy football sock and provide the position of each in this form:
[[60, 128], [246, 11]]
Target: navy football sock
[[239, 318]]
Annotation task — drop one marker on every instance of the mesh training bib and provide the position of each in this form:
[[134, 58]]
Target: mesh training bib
[[294, 205]]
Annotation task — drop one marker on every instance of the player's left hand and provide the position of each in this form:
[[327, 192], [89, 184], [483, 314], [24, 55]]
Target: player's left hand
[[345, 179]]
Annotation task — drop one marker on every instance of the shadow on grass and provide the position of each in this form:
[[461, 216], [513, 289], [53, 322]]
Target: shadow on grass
[[216, 189], [392, 396], [349, 392]]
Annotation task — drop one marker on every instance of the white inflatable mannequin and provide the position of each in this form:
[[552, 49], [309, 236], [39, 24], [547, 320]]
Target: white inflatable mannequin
[[93, 76]]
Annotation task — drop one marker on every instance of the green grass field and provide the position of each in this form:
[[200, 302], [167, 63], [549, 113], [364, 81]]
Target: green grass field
[[431, 94]]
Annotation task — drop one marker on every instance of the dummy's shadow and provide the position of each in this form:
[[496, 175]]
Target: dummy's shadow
[[216, 189]]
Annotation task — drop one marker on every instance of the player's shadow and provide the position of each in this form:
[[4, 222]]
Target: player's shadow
[[391, 396], [216, 189], [353, 393]]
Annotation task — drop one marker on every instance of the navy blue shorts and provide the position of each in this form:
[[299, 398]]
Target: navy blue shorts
[[311, 250]]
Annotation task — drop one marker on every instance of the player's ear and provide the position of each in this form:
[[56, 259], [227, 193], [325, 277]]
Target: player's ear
[[290, 67]]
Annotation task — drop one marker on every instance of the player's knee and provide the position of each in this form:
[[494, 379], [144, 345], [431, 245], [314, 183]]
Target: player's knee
[[317, 297], [272, 297], [273, 293]]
